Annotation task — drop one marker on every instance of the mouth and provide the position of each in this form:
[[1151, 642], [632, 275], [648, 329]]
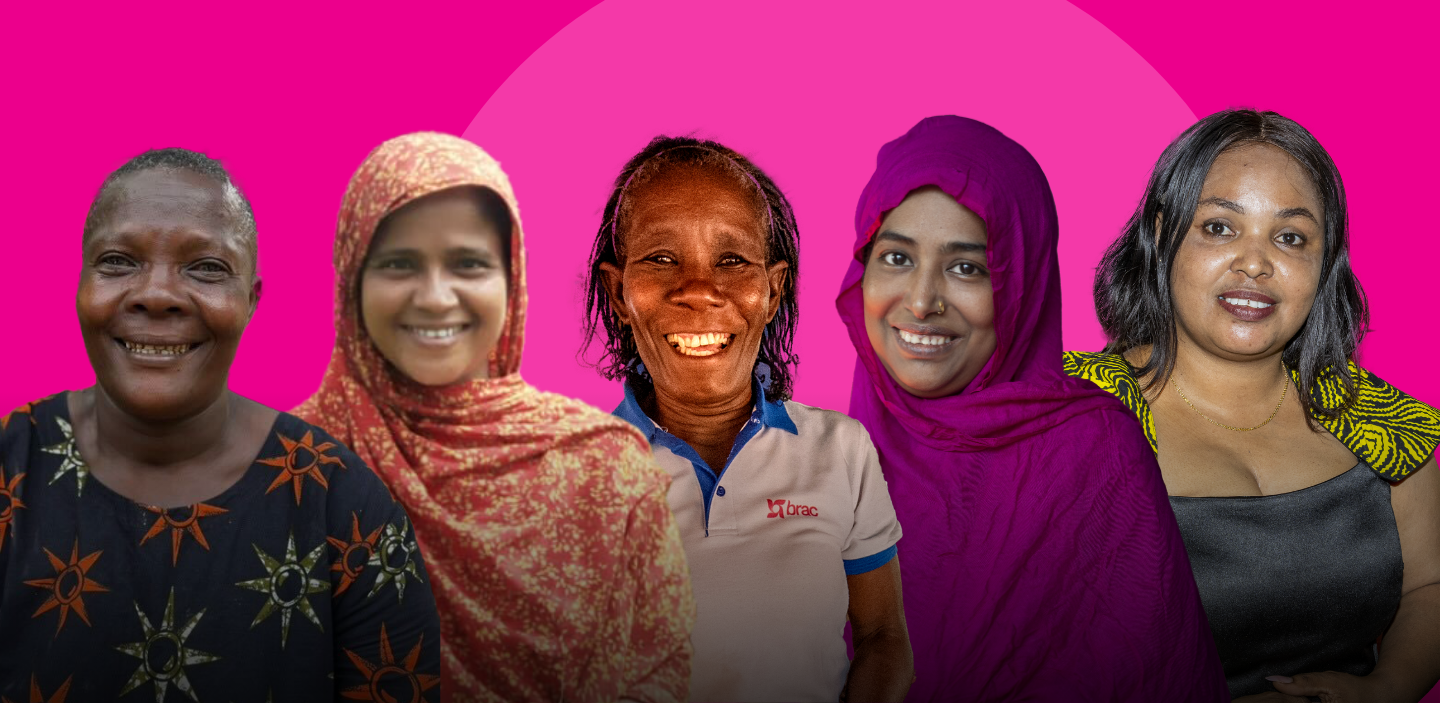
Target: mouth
[[156, 349], [699, 343], [925, 341], [435, 334], [1247, 304]]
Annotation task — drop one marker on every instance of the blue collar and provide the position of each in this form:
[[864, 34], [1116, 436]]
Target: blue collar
[[770, 413]]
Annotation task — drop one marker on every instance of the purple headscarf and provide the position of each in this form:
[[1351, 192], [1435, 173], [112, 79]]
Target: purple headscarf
[[1041, 560]]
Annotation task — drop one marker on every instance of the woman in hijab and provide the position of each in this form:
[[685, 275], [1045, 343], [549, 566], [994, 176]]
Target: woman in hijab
[[1042, 560], [556, 565], [161, 535]]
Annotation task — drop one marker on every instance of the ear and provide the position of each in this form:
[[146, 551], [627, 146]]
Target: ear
[[777, 273], [255, 287], [612, 276]]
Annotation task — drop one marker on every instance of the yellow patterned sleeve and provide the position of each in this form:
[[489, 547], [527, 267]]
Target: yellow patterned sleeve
[[1112, 373], [1390, 431]]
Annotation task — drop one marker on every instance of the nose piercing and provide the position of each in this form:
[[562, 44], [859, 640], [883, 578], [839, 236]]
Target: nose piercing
[[942, 307]]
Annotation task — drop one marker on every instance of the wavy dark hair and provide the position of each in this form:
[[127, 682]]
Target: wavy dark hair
[[1133, 297], [621, 359]]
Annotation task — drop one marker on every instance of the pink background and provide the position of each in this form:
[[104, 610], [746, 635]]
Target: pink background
[[292, 98]]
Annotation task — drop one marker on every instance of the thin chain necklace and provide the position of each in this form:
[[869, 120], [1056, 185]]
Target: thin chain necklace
[[1228, 427]]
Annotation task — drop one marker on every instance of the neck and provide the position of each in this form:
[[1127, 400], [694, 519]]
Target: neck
[[160, 444], [708, 426], [1228, 382]]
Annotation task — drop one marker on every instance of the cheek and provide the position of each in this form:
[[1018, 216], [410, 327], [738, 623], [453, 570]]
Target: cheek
[[380, 303], [487, 299], [976, 304], [879, 294]]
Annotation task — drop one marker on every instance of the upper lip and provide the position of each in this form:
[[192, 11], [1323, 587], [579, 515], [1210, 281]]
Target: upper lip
[[154, 341], [928, 330], [433, 325], [1248, 295]]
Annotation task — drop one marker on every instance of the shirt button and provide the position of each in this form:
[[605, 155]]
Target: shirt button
[[720, 491]]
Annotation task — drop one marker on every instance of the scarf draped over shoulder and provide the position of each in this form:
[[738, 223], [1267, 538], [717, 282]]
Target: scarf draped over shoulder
[[1041, 559], [554, 558]]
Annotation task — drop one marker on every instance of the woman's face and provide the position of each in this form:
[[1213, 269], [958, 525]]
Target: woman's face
[[695, 288], [433, 291], [165, 293], [929, 311], [1248, 268]]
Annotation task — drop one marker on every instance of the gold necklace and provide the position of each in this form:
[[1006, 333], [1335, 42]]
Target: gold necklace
[[1228, 427]]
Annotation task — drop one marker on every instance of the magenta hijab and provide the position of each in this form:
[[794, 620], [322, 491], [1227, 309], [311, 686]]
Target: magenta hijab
[[1041, 560]]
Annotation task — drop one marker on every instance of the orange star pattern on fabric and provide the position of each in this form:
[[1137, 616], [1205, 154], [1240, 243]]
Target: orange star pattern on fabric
[[9, 503], [391, 671], [37, 697], [357, 544], [178, 528], [5, 419], [67, 590], [294, 469]]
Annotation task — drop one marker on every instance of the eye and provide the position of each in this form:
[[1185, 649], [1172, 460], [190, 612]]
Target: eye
[[664, 259], [1217, 228], [732, 260], [967, 268], [396, 263], [894, 258], [472, 262], [210, 267], [114, 263], [1292, 239]]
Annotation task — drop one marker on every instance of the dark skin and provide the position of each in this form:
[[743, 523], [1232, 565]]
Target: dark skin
[[1258, 229], [695, 271], [165, 294]]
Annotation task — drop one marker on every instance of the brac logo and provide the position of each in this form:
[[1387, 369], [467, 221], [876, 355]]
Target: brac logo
[[780, 508]]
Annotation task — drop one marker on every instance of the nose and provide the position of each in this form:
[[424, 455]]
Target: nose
[[697, 289], [923, 294], [436, 293], [158, 292], [1252, 256]]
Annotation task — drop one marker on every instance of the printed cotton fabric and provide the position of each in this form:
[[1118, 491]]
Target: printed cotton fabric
[[1041, 559], [300, 583], [558, 571]]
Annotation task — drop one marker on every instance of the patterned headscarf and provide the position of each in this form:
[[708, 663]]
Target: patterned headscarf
[[493, 472]]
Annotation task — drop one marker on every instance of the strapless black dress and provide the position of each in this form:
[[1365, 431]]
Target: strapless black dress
[[1296, 582]]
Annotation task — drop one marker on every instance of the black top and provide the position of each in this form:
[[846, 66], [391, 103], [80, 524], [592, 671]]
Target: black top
[[1296, 582], [301, 582]]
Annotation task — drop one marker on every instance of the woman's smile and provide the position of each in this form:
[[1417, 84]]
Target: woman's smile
[[924, 341], [700, 343], [1247, 305]]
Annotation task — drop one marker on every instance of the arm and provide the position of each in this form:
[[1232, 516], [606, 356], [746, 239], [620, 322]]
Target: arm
[[662, 603], [884, 666], [1410, 653]]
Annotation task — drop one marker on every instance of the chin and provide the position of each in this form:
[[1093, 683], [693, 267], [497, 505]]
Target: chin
[[160, 404], [430, 375]]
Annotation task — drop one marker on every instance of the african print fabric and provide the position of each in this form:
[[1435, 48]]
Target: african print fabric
[[1391, 432], [558, 569], [301, 582]]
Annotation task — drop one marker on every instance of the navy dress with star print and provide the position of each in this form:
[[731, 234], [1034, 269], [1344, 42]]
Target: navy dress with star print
[[301, 582]]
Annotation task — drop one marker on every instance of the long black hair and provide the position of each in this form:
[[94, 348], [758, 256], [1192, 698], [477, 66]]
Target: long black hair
[[621, 359], [1132, 284]]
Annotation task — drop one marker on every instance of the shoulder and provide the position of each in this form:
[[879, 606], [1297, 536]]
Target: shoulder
[[818, 427], [1113, 374], [1392, 432], [19, 426], [346, 477], [589, 445]]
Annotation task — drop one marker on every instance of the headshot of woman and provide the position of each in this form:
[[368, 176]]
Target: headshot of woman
[[1042, 561], [162, 535], [558, 571], [1305, 487], [785, 516]]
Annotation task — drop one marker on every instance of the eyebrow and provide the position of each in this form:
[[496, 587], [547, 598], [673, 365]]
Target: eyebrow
[[1221, 202], [1283, 214], [950, 247]]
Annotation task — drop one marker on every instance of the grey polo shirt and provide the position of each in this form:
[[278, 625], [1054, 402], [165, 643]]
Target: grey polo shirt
[[770, 537]]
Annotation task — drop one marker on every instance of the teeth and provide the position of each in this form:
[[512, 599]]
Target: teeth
[[1246, 303], [441, 333], [155, 350], [686, 343], [931, 340]]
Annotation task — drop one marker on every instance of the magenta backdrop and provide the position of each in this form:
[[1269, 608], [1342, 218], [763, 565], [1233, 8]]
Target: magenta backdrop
[[293, 97]]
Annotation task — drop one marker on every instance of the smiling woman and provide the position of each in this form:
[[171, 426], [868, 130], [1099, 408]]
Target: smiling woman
[[160, 531], [1305, 487], [558, 572], [1044, 563], [692, 283]]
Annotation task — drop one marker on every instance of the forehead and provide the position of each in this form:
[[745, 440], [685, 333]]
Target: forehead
[[930, 216], [681, 198], [168, 201], [1261, 171], [446, 219]]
